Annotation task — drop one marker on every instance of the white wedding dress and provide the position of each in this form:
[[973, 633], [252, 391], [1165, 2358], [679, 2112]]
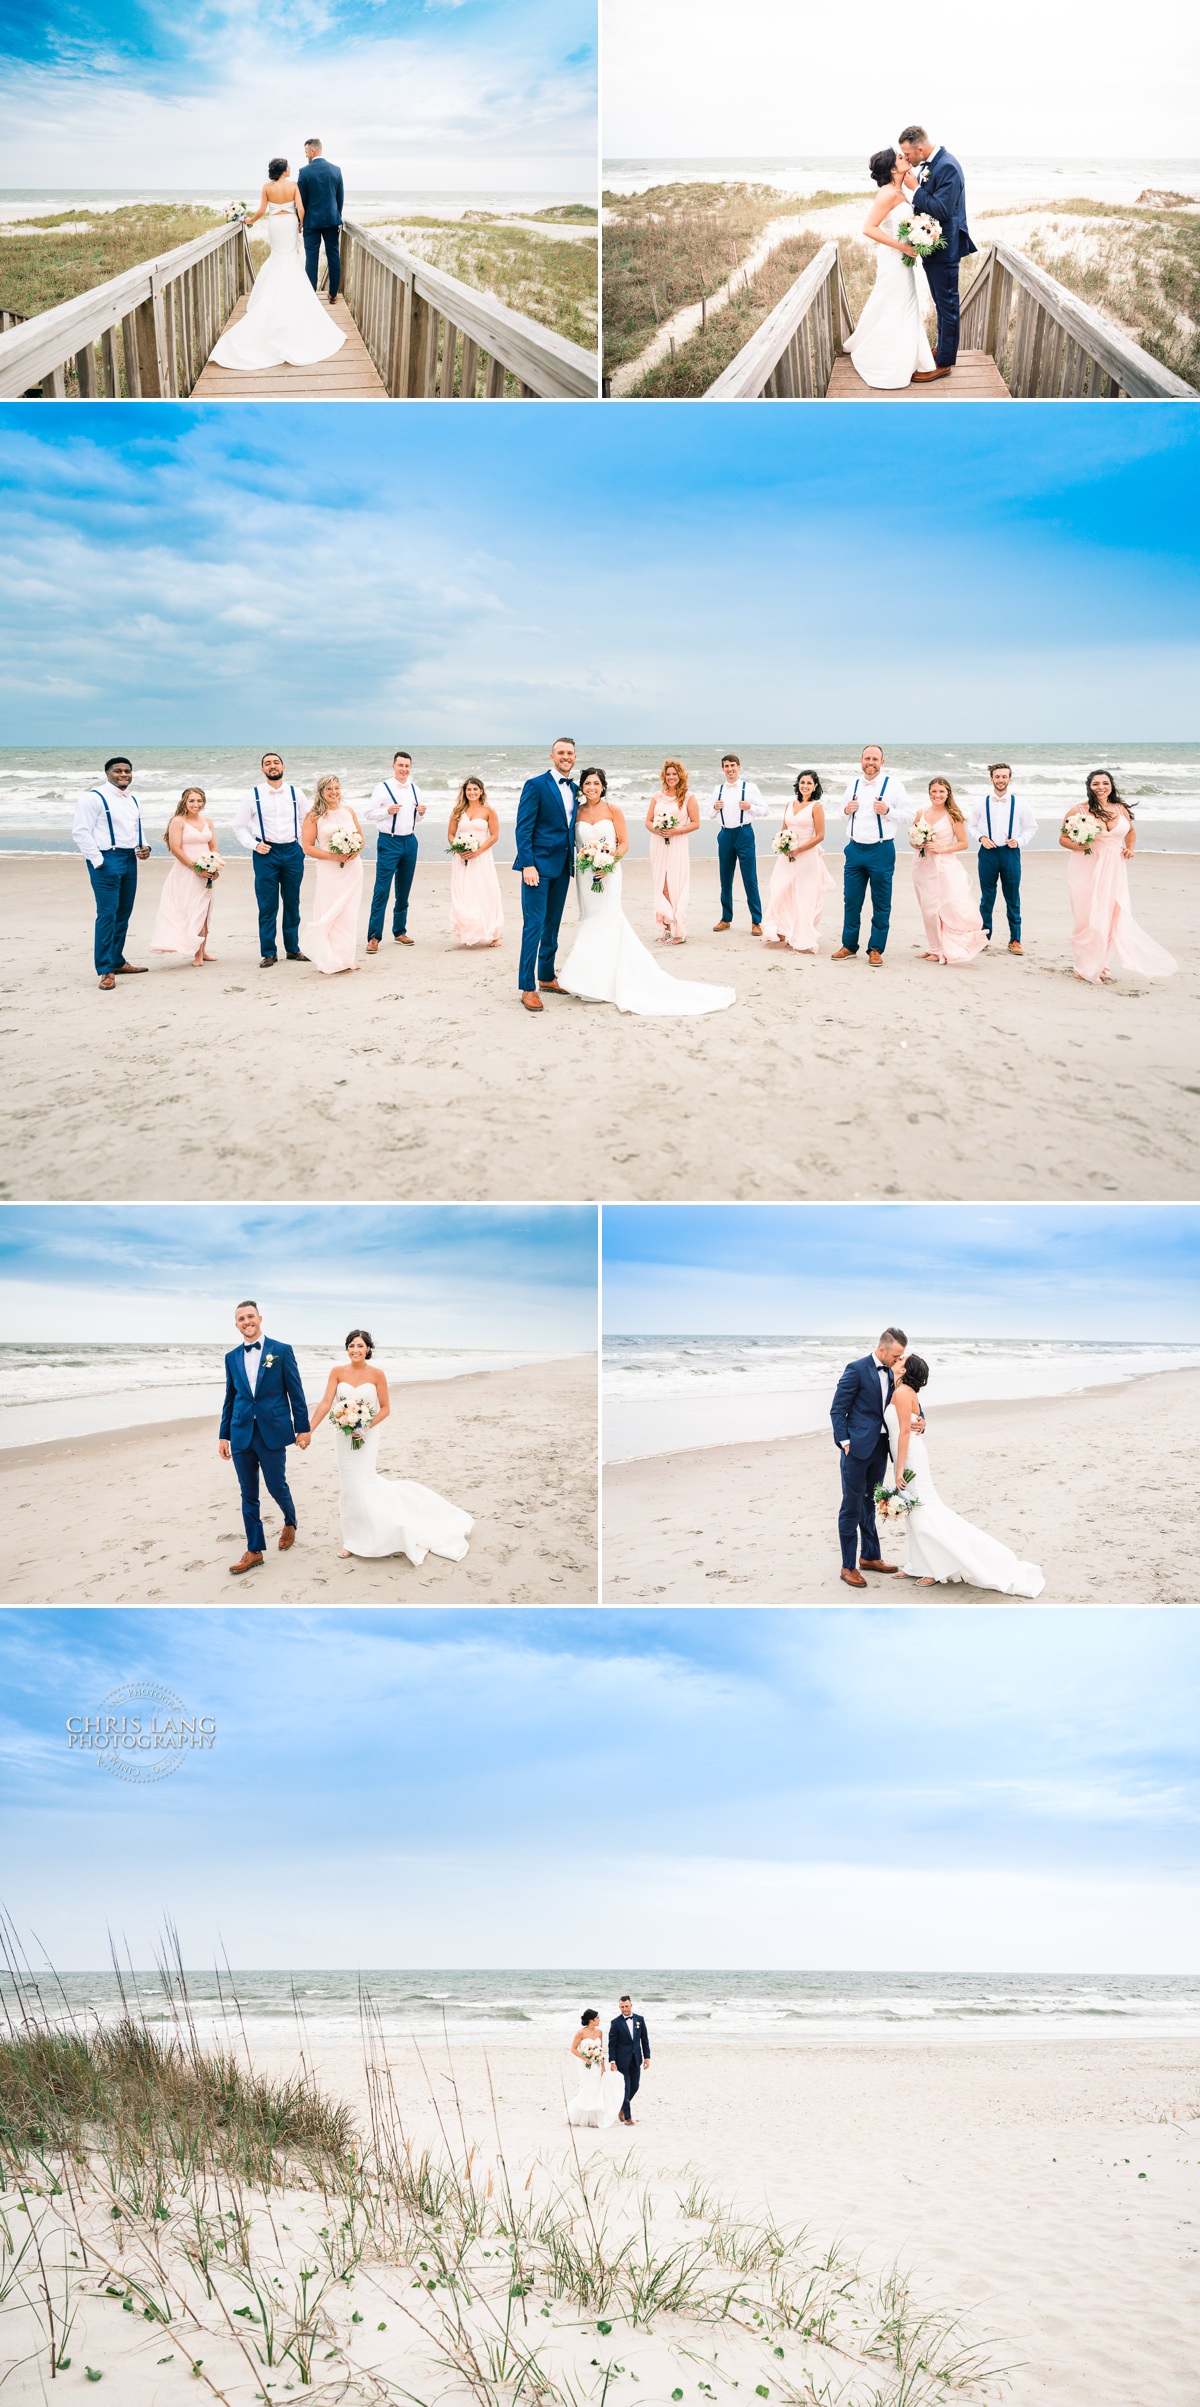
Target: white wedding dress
[[597, 2101], [391, 1516], [889, 341], [942, 1546], [284, 322], [609, 964]]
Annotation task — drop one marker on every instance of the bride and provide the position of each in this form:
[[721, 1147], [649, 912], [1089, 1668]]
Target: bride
[[283, 321], [597, 2101], [608, 963], [889, 342], [941, 1545], [381, 1516]]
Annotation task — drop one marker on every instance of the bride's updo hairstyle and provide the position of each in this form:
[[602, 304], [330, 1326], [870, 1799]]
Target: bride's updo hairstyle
[[594, 773], [880, 166], [818, 788], [915, 1373], [589, 2015], [367, 1339], [276, 170]]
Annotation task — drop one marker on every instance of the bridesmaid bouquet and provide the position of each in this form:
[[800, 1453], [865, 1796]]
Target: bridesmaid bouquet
[[345, 842], [923, 235], [1082, 828], [666, 819], [467, 840], [920, 834], [786, 842], [353, 1415], [892, 1502], [598, 859], [207, 866]]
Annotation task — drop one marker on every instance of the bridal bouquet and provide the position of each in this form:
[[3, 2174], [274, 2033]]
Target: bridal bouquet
[[923, 235], [345, 842], [236, 212], [666, 819], [787, 841], [467, 839], [919, 835], [353, 1415], [892, 1502], [598, 859], [207, 866], [1082, 828], [591, 2055]]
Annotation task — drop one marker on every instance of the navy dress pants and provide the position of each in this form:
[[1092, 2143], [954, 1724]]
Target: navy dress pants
[[542, 908], [395, 865], [248, 1461], [277, 876], [1002, 868], [735, 850], [314, 236], [856, 1519], [114, 885], [872, 865], [942, 280]]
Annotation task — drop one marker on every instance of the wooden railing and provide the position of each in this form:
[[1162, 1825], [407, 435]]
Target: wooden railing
[[432, 337], [1049, 346], [144, 335], [11, 317], [792, 354]]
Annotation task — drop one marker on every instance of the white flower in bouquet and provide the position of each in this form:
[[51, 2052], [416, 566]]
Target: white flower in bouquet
[[591, 2054], [467, 838], [667, 817], [206, 865], [894, 1504], [597, 859], [236, 212], [345, 842], [1082, 828], [786, 841], [923, 235], [353, 1415], [920, 834]]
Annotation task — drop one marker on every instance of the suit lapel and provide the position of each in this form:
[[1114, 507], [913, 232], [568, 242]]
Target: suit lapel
[[238, 1360]]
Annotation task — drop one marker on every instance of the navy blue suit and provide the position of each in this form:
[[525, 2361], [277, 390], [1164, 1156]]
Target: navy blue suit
[[323, 193], [545, 842], [260, 1424], [943, 195], [857, 1414], [628, 2055]]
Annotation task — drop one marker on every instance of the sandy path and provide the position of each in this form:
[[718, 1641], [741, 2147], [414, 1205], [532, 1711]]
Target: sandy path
[[151, 1515], [759, 1522], [238, 1082], [685, 321]]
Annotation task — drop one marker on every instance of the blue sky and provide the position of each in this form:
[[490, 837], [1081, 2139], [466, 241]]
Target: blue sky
[[512, 1277], [474, 95], [1010, 1790], [487, 572], [1127, 1271]]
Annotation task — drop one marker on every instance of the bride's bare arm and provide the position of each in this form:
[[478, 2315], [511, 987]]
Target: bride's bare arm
[[873, 222], [904, 1400], [385, 1401], [622, 832]]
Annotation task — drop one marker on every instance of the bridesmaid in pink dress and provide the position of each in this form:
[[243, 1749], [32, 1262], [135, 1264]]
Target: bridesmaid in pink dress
[[954, 931], [1103, 928], [476, 906], [185, 906], [670, 857], [330, 937], [800, 880]]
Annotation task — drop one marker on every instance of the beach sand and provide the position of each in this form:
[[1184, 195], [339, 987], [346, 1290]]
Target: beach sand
[[1096, 1487], [152, 1515], [422, 1077]]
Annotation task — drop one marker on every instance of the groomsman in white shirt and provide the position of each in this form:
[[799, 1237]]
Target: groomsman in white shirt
[[107, 827], [395, 806], [737, 803], [875, 804], [1001, 824], [268, 822]]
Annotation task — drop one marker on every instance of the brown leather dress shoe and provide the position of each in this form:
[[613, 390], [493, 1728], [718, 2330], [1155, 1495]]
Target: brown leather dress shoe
[[928, 375], [720, 925], [865, 1564], [876, 960], [854, 1579], [402, 939], [248, 1562], [1014, 947], [844, 953], [268, 961], [132, 969], [533, 1002], [372, 944], [550, 986], [107, 981], [287, 1536]]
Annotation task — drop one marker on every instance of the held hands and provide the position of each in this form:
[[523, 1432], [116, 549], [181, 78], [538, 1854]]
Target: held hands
[[303, 1438]]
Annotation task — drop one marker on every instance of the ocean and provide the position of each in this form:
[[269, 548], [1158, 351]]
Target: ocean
[[661, 1394], [74, 1391], [368, 206], [540, 2009], [996, 183], [39, 785]]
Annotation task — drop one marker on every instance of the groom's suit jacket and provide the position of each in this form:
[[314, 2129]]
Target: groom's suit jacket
[[623, 2050], [545, 836], [858, 1407], [322, 192], [274, 1409], [943, 195]]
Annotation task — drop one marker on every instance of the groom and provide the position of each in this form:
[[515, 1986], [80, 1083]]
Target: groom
[[938, 189], [861, 1399], [264, 1414], [545, 857], [323, 193], [628, 2051]]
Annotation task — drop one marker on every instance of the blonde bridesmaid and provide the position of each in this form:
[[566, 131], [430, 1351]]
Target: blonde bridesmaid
[[800, 880], [670, 856], [954, 931], [330, 937], [1103, 928], [185, 907], [476, 907]]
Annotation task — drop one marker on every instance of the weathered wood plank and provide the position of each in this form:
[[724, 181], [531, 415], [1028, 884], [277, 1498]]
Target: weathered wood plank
[[29, 352], [351, 375], [975, 378], [546, 364]]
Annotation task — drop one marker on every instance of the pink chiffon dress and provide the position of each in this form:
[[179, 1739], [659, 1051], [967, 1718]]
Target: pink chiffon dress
[[330, 937], [476, 904], [799, 885], [670, 875], [954, 931], [1103, 928], [185, 905]]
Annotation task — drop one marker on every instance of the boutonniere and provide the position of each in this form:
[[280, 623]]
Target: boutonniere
[[268, 1359]]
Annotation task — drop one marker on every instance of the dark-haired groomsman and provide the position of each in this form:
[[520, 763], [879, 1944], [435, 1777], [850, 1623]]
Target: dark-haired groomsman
[[268, 823], [737, 803], [107, 827], [1001, 824], [395, 806]]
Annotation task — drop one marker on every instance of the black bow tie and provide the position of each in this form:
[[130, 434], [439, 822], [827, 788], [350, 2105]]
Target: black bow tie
[[252, 1349]]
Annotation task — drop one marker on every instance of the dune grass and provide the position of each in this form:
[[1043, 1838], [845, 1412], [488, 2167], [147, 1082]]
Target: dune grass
[[676, 244], [1139, 267], [554, 283], [701, 359], [37, 271]]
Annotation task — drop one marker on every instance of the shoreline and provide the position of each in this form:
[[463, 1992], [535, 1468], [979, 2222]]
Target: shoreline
[[761, 1515]]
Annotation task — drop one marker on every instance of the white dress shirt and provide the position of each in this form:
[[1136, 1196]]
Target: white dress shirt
[[90, 825], [866, 827], [567, 793], [1024, 825], [394, 807], [726, 804], [281, 820], [252, 1357]]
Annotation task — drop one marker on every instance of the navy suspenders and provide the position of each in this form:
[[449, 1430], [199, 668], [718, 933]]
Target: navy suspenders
[[854, 799], [743, 797], [102, 799], [396, 806], [264, 838], [1012, 812]]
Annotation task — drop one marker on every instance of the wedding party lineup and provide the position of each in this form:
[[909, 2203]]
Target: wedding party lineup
[[529, 1308]]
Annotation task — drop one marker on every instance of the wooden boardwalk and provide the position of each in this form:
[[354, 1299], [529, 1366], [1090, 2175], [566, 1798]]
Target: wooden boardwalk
[[350, 375], [975, 378]]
